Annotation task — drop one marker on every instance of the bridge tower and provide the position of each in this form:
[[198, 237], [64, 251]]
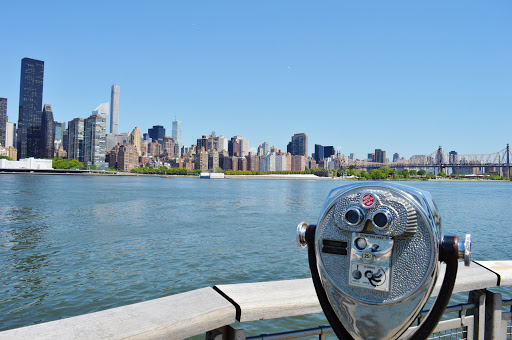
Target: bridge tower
[[508, 162]]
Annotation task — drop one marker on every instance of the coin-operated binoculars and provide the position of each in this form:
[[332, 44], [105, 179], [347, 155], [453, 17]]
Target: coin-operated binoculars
[[374, 258]]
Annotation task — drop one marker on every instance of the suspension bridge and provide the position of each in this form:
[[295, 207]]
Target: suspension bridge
[[440, 161]]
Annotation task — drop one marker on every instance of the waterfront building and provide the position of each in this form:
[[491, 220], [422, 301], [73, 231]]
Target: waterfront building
[[396, 157], [47, 132], [242, 163], [176, 134], [268, 162], [212, 142], [76, 139], [114, 109], [30, 163], [298, 145], [157, 133], [3, 121], [95, 141], [30, 108], [253, 162], [10, 135], [282, 162], [298, 163], [222, 144], [313, 164], [123, 157]]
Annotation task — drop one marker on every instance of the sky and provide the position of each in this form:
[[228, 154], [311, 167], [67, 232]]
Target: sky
[[402, 76]]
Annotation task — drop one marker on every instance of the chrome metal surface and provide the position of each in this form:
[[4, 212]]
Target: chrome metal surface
[[464, 249], [393, 272], [301, 235]]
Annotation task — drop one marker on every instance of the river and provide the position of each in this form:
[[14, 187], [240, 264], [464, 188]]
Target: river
[[71, 245]]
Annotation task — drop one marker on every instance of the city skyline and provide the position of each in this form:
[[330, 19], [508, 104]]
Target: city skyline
[[398, 77]]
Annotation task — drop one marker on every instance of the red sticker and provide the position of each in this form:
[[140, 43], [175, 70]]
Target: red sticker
[[368, 200]]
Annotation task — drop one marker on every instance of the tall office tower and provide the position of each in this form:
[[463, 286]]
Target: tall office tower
[[47, 132], [263, 149], [396, 157], [329, 151], [222, 144], [95, 132], [65, 139], [176, 134], [114, 109], [234, 147], [10, 134], [3, 121], [157, 133], [134, 139], [298, 145], [76, 139], [30, 111], [103, 110], [380, 156], [319, 152], [59, 130], [351, 156]]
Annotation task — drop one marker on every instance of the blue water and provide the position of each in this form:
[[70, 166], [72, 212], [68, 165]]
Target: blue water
[[71, 245]]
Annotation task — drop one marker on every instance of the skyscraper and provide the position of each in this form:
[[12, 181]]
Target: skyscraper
[[298, 145], [380, 156], [114, 109], [95, 128], [176, 133], [76, 139], [30, 110], [10, 134], [3, 121], [47, 132]]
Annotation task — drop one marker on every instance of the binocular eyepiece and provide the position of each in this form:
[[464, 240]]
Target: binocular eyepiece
[[375, 252]]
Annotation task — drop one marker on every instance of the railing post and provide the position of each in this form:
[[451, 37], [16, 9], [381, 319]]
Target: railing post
[[226, 333], [478, 297], [493, 304]]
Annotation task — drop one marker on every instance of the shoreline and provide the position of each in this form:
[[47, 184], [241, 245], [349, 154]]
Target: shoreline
[[301, 177]]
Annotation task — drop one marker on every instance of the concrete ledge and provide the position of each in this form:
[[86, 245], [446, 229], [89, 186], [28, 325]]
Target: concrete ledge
[[501, 268], [274, 299], [172, 317]]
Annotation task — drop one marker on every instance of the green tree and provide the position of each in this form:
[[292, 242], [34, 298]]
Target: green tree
[[441, 174], [405, 173], [421, 172], [6, 157], [413, 173]]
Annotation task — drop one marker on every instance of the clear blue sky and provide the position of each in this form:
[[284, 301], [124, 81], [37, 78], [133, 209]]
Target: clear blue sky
[[403, 76]]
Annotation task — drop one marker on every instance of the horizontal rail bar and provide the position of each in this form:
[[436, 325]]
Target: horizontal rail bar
[[320, 330]]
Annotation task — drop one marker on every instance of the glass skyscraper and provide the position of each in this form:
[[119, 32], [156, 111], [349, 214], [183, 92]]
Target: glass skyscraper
[[30, 111], [47, 132], [176, 134], [95, 128], [3, 120]]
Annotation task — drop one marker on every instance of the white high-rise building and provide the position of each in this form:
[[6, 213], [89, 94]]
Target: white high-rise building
[[114, 109], [94, 141], [103, 110], [222, 144], [10, 134], [176, 134]]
